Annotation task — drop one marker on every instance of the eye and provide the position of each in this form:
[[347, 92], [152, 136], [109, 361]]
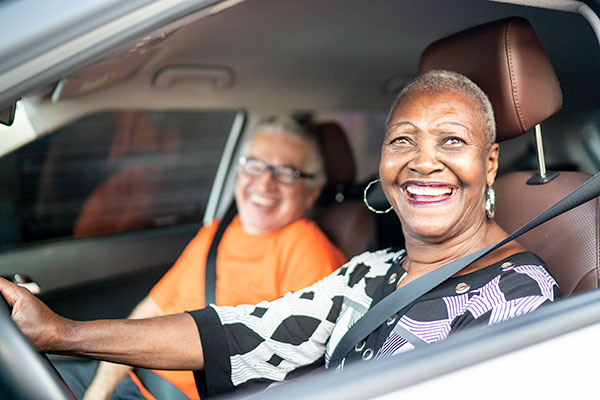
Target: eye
[[401, 140], [453, 141]]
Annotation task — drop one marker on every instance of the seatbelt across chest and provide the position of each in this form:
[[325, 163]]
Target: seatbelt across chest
[[157, 385], [402, 297], [210, 267]]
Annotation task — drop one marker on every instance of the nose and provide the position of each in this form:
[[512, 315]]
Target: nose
[[425, 160], [266, 179]]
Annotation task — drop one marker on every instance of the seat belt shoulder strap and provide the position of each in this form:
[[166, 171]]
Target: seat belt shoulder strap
[[210, 268]]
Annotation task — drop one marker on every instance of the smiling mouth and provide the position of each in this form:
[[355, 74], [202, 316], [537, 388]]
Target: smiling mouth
[[262, 201], [427, 193]]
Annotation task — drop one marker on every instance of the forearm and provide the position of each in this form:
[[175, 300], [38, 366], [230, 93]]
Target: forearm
[[170, 342], [109, 375]]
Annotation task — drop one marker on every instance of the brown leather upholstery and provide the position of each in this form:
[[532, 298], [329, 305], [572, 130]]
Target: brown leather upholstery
[[506, 59], [574, 266], [339, 160], [344, 219]]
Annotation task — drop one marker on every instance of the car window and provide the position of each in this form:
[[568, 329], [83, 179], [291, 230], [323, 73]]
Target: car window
[[112, 171]]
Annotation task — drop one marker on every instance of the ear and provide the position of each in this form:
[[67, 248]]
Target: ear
[[313, 195], [492, 164]]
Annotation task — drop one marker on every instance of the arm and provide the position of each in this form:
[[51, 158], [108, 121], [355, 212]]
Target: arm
[[170, 342], [108, 374]]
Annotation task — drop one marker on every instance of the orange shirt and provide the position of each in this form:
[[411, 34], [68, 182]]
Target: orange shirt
[[250, 268]]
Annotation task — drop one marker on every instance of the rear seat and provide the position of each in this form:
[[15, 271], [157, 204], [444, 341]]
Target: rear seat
[[339, 211]]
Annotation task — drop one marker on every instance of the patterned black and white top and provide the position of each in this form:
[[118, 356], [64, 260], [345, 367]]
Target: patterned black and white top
[[268, 341]]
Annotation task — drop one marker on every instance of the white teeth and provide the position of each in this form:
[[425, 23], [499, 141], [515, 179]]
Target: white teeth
[[428, 190], [262, 201]]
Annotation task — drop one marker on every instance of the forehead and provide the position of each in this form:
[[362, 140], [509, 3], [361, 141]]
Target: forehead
[[280, 148], [438, 106]]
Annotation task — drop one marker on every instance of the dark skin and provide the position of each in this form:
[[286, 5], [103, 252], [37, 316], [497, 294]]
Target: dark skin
[[170, 342], [435, 165], [436, 144]]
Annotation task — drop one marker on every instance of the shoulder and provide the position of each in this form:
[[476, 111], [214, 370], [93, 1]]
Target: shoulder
[[516, 285], [304, 235], [373, 263], [525, 274], [301, 227]]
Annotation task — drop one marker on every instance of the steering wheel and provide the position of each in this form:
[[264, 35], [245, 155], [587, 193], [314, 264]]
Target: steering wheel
[[24, 373]]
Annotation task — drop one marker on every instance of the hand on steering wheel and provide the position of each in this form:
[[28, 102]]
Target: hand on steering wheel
[[25, 373]]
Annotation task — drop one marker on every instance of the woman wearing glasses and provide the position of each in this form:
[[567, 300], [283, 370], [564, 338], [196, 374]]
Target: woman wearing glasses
[[269, 249]]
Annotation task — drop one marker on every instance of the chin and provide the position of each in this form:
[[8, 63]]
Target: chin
[[431, 233]]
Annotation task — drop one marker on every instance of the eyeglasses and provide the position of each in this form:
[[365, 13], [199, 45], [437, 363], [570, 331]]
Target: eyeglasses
[[284, 174]]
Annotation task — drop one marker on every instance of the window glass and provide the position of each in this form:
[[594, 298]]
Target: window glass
[[112, 172]]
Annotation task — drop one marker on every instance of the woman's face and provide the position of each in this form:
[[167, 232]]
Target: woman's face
[[435, 164], [265, 205]]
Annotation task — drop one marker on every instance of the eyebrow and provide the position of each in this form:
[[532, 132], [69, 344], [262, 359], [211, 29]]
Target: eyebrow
[[438, 125], [457, 124], [400, 123]]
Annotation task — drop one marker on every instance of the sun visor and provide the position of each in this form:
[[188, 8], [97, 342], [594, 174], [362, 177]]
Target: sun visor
[[215, 77], [101, 75]]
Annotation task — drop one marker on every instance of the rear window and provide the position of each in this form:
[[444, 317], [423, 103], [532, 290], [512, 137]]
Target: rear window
[[112, 172]]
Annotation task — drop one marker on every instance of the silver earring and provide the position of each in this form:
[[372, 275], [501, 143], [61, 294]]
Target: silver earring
[[490, 202], [367, 203]]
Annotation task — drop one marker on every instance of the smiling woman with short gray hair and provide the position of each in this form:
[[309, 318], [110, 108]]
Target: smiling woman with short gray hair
[[437, 169]]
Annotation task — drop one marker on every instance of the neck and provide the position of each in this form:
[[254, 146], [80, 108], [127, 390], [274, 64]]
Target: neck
[[424, 255]]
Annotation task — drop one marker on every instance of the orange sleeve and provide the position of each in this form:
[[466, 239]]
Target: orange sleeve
[[311, 258], [186, 274]]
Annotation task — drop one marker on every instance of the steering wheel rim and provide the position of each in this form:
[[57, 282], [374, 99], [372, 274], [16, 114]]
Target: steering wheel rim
[[25, 373]]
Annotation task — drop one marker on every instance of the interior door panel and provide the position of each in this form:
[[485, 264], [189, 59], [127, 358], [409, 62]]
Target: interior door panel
[[98, 277]]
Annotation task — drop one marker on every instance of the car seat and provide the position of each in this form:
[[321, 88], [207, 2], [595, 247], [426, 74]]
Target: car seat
[[339, 211], [507, 61]]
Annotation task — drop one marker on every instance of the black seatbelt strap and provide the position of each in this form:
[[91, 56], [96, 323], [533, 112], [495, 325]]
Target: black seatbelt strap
[[210, 269], [157, 385], [402, 297]]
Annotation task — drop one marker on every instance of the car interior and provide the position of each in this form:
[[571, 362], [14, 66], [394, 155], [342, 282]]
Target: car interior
[[117, 156]]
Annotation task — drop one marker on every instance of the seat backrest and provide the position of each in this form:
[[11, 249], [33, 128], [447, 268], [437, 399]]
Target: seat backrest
[[569, 243], [507, 61], [339, 212]]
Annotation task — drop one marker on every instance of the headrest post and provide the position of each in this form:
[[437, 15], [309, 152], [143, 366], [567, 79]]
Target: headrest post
[[542, 176], [539, 145]]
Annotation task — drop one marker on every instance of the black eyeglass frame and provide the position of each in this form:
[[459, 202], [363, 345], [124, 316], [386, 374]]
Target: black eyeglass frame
[[295, 173]]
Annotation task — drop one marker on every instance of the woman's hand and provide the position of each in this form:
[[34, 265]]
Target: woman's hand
[[170, 342], [39, 324]]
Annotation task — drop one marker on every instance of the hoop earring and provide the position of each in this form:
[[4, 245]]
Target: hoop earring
[[367, 203], [490, 202]]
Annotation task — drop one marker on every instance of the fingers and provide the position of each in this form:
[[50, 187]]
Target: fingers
[[9, 291]]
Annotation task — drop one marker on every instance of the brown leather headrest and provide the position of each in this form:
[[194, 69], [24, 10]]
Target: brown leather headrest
[[339, 160], [506, 59]]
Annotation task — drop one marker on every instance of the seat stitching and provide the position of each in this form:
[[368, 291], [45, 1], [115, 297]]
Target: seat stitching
[[597, 239], [513, 77]]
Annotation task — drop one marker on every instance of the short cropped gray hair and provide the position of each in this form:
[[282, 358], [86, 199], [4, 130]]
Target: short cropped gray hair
[[440, 80], [291, 128]]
